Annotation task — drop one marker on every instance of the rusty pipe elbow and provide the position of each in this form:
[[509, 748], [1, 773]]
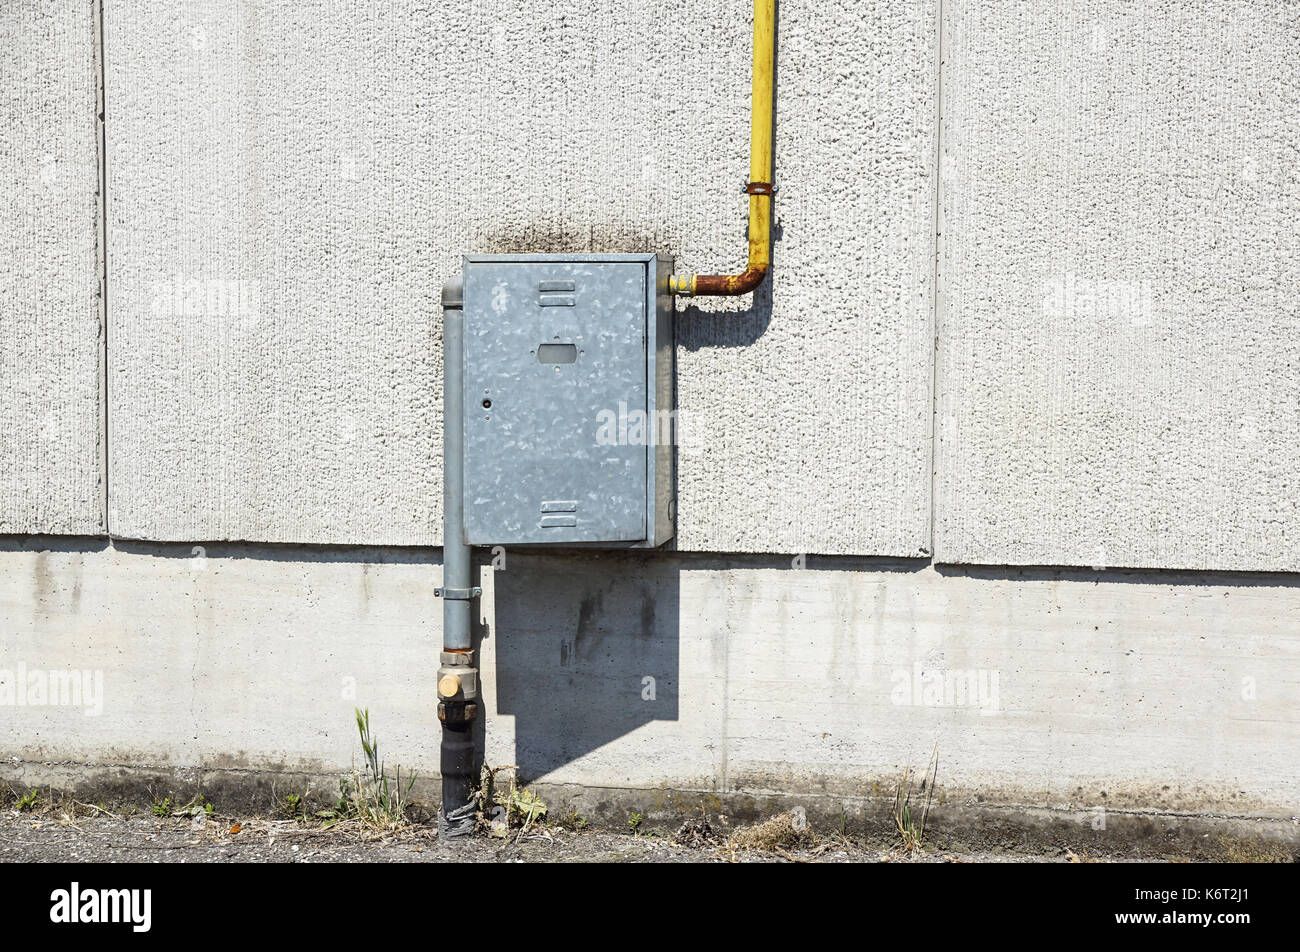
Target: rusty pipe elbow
[[730, 284]]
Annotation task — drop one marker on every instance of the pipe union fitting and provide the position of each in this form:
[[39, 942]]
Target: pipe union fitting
[[462, 681]]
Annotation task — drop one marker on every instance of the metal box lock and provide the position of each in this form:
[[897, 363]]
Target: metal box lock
[[568, 375]]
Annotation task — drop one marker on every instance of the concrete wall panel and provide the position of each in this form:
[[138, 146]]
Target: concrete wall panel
[[1119, 321], [1120, 690], [293, 182], [51, 346]]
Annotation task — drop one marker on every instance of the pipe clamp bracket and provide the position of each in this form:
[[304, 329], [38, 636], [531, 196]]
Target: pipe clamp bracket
[[759, 188], [461, 594]]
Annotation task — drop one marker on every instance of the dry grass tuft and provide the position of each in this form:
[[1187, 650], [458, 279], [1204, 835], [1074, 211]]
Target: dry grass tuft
[[697, 833], [911, 830], [783, 831]]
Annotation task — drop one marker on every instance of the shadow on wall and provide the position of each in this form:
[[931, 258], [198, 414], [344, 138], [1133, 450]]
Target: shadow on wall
[[587, 650], [577, 635], [699, 328], [1170, 578]]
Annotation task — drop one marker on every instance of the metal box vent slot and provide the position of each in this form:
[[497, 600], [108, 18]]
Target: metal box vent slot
[[557, 353]]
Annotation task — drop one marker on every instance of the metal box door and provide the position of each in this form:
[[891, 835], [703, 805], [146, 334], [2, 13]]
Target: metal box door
[[552, 351]]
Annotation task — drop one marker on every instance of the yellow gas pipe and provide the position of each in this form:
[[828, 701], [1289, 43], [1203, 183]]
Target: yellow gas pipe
[[759, 187]]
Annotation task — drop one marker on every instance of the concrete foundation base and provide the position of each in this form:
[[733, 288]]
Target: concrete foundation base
[[1114, 702]]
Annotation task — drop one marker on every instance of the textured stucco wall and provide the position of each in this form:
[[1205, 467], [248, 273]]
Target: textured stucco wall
[[290, 185], [51, 451], [1121, 690], [1119, 320], [323, 165]]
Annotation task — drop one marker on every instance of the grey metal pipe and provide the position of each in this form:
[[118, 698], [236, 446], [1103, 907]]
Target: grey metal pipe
[[457, 675], [456, 571]]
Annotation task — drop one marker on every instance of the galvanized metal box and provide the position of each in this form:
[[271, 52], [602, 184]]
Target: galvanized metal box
[[568, 422]]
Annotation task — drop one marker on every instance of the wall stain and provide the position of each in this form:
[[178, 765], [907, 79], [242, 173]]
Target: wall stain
[[561, 238], [589, 634]]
